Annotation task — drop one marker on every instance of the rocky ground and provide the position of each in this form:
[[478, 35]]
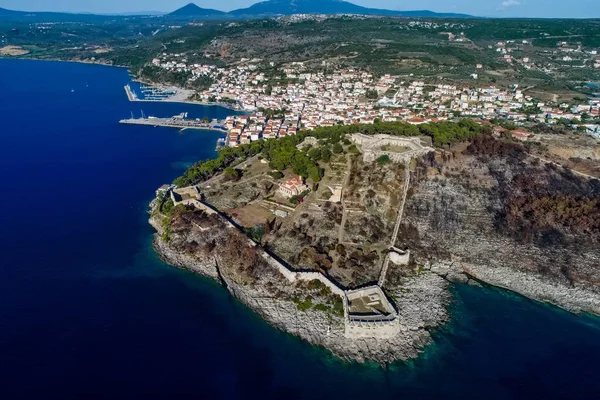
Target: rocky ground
[[421, 299], [487, 211], [511, 223]]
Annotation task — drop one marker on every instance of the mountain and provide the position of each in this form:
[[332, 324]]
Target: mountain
[[288, 7], [50, 16], [192, 10], [263, 9]]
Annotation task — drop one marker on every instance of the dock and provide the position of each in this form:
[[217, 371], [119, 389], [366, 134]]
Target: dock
[[177, 122], [130, 94]]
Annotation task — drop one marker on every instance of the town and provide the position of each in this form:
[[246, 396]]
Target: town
[[302, 100]]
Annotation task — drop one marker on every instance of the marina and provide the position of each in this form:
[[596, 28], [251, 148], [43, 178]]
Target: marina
[[156, 94], [178, 121]]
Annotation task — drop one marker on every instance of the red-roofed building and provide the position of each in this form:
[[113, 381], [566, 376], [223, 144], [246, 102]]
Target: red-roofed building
[[521, 134], [292, 187]]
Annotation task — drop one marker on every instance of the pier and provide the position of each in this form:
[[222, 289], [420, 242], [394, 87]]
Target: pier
[[177, 122]]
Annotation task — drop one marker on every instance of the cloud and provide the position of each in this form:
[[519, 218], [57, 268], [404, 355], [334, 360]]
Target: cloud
[[508, 3]]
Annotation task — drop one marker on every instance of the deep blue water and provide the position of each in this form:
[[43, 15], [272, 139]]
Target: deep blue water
[[88, 311]]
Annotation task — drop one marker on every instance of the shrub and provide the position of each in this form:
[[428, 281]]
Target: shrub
[[384, 159], [276, 174], [231, 174]]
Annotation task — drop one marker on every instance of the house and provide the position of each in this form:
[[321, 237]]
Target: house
[[292, 187], [521, 134]]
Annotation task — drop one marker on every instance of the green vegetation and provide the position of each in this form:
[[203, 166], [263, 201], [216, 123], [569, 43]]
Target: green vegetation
[[338, 307], [256, 232], [380, 44], [442, 133], [276, 174], [371, 94], [283, 153], [384, 159], [296, 199], [182, 79], [303, 305], [322, 307], [337, 148], [231, 174]]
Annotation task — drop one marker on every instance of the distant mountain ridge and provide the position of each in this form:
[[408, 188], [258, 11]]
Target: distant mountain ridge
[[267, 8], [289, 7]]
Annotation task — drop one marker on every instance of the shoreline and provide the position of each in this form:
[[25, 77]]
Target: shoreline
[[133, 97], [423, 304], [134, 79]]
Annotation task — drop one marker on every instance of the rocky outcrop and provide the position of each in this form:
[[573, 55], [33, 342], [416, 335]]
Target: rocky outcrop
[[461, 223], [421, 300]]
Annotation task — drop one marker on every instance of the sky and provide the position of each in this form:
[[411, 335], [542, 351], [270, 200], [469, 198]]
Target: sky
[[484, 8]]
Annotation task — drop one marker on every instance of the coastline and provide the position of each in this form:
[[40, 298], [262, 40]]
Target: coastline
[[134, 79], [132, 96], [489, 277], [423, 306]]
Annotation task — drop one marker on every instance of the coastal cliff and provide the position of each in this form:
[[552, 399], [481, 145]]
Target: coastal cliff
[[203, 244], [509, 221], [484, 210]]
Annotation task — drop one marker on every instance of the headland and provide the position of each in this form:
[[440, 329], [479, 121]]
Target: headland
[[358, 256]]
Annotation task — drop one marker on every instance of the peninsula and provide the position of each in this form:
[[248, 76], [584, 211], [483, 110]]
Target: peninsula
[[349, 236]]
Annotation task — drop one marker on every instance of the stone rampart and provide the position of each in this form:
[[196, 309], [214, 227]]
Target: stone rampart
[[381, 329], [355, 326], [372, 147]]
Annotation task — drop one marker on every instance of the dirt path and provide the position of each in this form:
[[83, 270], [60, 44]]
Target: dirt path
[[386, 261], [342, 230], [563, 166]]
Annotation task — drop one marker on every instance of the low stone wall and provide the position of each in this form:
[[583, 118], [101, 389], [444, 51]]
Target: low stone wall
[[380, 329]]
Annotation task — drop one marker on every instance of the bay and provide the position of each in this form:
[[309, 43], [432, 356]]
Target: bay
[[87, 310]]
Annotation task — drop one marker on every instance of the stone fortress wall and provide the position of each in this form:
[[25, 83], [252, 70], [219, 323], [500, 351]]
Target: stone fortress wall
[[372, 146], [355, 325]]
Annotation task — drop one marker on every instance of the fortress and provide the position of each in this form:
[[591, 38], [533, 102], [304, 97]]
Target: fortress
[[398, 149], [367, 311]]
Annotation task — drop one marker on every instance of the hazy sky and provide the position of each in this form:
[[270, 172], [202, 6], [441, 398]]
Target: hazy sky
[[492, 8]]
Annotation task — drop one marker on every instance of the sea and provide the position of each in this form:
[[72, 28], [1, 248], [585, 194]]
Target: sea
[[88, 311]]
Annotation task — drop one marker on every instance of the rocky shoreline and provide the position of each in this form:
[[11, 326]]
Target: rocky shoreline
[[422, 303]]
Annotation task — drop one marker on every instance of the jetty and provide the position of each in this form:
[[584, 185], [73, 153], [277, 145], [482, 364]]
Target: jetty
[[178, 121]]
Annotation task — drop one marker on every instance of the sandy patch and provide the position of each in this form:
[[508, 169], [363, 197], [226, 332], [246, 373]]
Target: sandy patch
[[13, 51]]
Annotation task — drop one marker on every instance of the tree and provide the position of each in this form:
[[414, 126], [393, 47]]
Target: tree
[[314, 154], [337, 148], [276, 174], [325, 154], [371, 94], [231, 174], [384, 159]]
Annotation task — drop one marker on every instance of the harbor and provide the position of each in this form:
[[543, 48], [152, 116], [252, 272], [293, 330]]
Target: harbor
[[178, 121], [152, 94]]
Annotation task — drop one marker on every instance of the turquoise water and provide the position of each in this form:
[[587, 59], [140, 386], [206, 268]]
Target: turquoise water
[[88, 311]]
